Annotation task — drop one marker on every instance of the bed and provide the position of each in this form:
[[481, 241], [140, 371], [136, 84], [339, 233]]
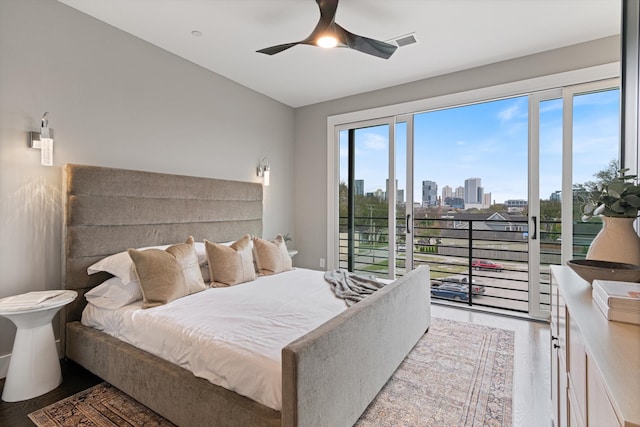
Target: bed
[[328, 376]]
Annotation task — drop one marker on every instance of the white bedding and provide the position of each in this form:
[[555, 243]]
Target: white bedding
[[232, 336]]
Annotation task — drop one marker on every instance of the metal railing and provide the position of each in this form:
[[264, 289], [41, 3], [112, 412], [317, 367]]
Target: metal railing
[[450, 247]]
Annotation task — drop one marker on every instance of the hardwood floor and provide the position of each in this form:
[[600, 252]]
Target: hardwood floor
[[532, 386], [75, 379]]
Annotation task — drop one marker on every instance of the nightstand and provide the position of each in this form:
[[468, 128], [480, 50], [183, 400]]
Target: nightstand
[[34, 368]]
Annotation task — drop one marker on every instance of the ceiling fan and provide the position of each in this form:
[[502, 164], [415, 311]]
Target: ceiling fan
[[328, 33]]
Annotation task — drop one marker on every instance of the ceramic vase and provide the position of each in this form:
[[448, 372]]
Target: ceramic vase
[[617, 241]]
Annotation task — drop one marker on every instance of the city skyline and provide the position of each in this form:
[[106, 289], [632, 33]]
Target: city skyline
[[431, 194], [490, 140]]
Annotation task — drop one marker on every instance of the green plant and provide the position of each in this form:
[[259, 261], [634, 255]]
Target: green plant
[[618, 197]]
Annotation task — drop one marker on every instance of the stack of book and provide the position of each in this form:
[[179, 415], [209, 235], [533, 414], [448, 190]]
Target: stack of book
[[618, 301]]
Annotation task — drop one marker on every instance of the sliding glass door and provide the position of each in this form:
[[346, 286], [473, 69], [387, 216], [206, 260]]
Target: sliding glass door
[[471, 201], [545, 183], [592, 153], [367, 199], [475, 191]]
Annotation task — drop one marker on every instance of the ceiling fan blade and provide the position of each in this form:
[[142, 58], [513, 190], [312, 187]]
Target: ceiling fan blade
[[327, 25], [277, 49], [327, 15], [365, 44], [327, 10]]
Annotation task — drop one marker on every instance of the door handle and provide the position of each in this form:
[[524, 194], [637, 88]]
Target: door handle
[[408, 226], [535, 228]]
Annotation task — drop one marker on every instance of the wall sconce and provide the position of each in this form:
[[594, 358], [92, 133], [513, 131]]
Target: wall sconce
[[264, 171], [43, 141]]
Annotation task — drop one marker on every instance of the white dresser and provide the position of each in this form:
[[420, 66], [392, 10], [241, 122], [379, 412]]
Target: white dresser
[[595, 363]]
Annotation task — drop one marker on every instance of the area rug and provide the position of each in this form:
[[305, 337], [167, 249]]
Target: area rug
[[459, 374]]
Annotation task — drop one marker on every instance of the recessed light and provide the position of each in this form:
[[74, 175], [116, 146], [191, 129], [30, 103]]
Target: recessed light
[[196, 33]]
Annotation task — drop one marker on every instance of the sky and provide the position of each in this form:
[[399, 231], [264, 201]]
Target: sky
[[489, 141]]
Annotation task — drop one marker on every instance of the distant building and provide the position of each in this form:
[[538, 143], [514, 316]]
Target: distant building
[[556, 196], [486, 200], [429, 193], [473, 191], [447, 193], [359, 187], [400, 196], [516, 205], [486, 225], [478, 206], [459, 193], [454, 202]]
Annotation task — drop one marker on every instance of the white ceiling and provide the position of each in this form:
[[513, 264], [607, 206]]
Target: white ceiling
[[452, 35]]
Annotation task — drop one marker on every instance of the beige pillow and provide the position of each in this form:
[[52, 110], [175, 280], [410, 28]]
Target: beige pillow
[[271, 256], [230, 264], [166, 275]]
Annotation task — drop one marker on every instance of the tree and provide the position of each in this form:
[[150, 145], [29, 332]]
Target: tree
[[496, 207], [370, 213], [581, 191], [550, 210], [428, 229]]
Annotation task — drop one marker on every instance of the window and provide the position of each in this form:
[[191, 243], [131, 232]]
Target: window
[[481, 179]]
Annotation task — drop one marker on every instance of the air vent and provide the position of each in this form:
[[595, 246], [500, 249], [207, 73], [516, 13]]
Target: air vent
[[405, 40]]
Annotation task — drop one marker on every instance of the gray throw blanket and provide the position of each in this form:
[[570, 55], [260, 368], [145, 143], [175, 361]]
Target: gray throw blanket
[[350, 287]]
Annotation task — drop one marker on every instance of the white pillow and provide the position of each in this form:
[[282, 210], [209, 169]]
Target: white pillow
[[113, 294], [121, 265]]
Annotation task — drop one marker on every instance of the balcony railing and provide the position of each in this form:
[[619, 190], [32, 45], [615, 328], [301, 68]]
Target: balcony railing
[[449, 247]]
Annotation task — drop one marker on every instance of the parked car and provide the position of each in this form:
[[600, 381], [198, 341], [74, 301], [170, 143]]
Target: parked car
[[478, 289], [486, 264], [451, 291]]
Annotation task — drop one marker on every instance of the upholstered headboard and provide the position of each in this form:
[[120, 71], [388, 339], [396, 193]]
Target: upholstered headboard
[[110, 210]]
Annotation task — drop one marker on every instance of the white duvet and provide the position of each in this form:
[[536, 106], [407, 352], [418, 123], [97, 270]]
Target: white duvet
[[232, 336]]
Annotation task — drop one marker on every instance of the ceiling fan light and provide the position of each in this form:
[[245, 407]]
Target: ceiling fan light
[[327, 42]]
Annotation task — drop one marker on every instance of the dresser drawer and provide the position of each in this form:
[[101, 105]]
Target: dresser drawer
[[600, 409]]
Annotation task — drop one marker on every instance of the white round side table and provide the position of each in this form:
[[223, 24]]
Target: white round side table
[[34, 367]]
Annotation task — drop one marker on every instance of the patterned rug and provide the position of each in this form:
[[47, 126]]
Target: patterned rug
[[459, 374]]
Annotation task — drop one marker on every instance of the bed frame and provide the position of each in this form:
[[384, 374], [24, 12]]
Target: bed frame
[[329, 376]]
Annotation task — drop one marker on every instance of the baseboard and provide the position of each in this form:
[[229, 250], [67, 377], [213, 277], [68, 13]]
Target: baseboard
[[4, 360]]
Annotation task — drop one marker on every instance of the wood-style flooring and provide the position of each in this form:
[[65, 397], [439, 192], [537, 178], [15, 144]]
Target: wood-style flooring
[[74, 379], [532, 389]]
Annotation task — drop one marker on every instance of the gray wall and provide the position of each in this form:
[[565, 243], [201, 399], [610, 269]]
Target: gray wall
[[115, 101], [311, 125]]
